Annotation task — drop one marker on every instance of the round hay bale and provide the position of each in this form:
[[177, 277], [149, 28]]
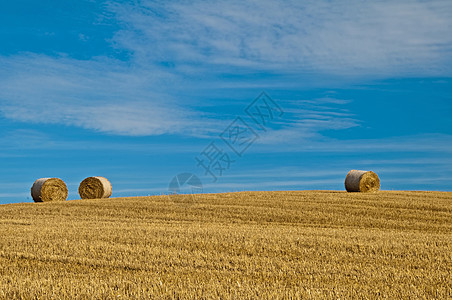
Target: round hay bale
[[362, 181], [49, 189], [95, 188]]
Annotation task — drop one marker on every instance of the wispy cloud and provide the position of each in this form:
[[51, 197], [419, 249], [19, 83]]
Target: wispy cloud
[[113, 97], [176, 46], [306, 119], [104, 95], [427, 143], [366, 38]]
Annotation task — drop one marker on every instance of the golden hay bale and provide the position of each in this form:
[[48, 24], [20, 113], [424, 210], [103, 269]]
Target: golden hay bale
[[362, 181], [49, 189], [94, 188]]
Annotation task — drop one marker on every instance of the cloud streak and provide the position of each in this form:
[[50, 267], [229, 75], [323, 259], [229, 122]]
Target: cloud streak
[[306, 119], [385, 38], [178, 46], [420, 143], [102, 95], [112, 97]]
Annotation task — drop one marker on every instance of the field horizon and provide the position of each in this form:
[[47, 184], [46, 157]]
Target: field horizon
[[270, 245], [233, 192]]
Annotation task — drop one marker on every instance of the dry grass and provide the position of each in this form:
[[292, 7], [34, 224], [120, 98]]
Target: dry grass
[[251, 245]]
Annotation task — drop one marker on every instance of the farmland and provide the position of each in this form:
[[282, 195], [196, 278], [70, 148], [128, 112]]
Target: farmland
[[248, 245]]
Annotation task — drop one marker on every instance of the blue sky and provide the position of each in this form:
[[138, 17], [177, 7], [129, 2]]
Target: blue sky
[[137, 90]]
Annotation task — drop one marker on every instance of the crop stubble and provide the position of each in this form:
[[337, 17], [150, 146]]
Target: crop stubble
[[250, 245]]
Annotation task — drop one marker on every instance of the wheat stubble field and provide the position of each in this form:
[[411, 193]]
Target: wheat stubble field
[[247, 245]]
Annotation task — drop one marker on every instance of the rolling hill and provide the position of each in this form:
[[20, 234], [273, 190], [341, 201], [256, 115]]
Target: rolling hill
[[248, 245]]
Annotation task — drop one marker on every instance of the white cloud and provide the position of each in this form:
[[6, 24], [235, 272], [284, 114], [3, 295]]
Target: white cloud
[[177, 46], [420, 143], [305, 120], [112, 97], [366, 38], [103, 95]]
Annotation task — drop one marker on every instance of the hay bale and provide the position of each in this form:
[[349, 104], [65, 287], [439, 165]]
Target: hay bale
[[95, 188], [362, 181], [49, 189]]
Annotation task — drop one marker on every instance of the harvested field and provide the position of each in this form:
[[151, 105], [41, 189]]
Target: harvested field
[[249, 245]]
